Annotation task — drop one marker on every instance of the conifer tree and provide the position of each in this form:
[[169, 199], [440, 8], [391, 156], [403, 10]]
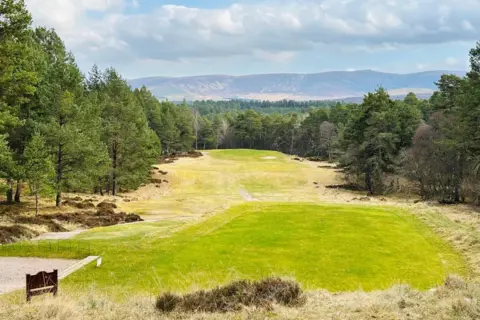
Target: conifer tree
[[39, 170]]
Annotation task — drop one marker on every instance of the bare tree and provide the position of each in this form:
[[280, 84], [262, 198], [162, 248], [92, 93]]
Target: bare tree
[[328, 135], [434, 165], [196, 125]]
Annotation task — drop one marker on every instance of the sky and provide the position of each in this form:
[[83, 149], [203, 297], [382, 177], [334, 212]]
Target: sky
[[143, 38]]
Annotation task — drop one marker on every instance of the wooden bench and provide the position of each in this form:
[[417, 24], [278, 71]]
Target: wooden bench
[[42, 282]]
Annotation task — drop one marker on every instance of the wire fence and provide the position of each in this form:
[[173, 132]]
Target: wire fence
[[47, 248]]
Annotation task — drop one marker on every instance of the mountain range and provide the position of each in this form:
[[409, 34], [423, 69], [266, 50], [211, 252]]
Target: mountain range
[[341, 85]]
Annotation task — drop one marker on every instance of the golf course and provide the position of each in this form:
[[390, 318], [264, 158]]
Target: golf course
[[243, 214]]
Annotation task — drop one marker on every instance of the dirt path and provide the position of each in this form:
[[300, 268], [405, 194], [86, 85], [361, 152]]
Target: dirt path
[[13, 270], [247, 196], [59, 235]]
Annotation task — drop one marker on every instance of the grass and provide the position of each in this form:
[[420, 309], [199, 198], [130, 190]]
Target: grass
[[453, 301], [216, 237], [221, 237], [215, 182], [338, 248]]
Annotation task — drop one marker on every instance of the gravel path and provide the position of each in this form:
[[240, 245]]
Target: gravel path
[[58, 235], [13, 270]]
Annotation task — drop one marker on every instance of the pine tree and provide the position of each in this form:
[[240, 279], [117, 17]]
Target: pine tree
[[17, 78], [68, 119], [133, 146], [39, 170], [6, 161]]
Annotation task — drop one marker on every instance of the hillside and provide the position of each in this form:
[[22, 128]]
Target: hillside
[[316, 86]]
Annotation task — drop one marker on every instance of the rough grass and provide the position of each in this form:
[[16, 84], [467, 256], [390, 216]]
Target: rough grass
[[338, 248], [456, 300]]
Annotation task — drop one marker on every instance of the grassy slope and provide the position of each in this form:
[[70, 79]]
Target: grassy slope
[[337, 247], [333, 247]]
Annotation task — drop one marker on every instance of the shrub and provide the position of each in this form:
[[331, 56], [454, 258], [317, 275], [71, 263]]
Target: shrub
[[235, 296]]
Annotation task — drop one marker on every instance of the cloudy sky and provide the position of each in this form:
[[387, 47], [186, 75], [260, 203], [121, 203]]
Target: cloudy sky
[[191, 37]]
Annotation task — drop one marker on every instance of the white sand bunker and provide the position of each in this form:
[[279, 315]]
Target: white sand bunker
[[269, 158]]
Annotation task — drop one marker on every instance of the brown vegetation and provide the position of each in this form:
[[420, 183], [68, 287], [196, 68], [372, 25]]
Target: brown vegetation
[[175, 156], [106, 205], [101, 218], [235, 296], [9, 234], [350, 187]]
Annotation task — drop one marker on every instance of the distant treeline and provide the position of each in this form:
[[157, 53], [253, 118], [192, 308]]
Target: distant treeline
[[205, 107]]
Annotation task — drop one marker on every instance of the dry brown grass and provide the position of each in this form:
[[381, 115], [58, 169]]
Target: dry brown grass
[[19, 221], [454, 300]]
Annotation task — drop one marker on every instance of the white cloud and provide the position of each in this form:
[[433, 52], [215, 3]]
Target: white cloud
[[279, 57], [467, 25], [450, 61], [274, 30], [421, 66]]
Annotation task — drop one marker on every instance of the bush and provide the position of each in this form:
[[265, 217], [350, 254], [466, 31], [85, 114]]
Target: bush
[[235, 296], [107, 205], [13, 233]]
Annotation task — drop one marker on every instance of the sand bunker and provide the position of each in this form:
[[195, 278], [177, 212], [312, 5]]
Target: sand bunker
[[269, 158]]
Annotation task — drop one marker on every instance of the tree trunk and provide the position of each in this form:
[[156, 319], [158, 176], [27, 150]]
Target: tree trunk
[[59, 177], [36, 203], [368, 182], [114, 171], [18, 191], [10, 191], [291, 143]]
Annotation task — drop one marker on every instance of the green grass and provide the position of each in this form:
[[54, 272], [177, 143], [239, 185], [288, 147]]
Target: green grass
[[339, 248], [246, 154], [335, 247]]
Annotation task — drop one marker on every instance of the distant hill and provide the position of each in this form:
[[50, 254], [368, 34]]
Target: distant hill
[[315, 86]]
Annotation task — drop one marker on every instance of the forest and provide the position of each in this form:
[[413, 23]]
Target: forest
[[65, 131], [205, 107]]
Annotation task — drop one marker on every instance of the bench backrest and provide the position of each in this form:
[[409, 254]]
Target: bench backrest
[[42, 282]]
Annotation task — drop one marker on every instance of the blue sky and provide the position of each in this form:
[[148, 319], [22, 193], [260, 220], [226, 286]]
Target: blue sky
[[144, 38]]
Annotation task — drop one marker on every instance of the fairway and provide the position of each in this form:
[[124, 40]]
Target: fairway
[[228, 177], [286, 231]]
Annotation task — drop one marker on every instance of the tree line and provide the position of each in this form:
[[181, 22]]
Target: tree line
[[206, 107], [61, 130]]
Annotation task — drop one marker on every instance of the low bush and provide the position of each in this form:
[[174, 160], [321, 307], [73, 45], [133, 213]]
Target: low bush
[[235, 296]]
